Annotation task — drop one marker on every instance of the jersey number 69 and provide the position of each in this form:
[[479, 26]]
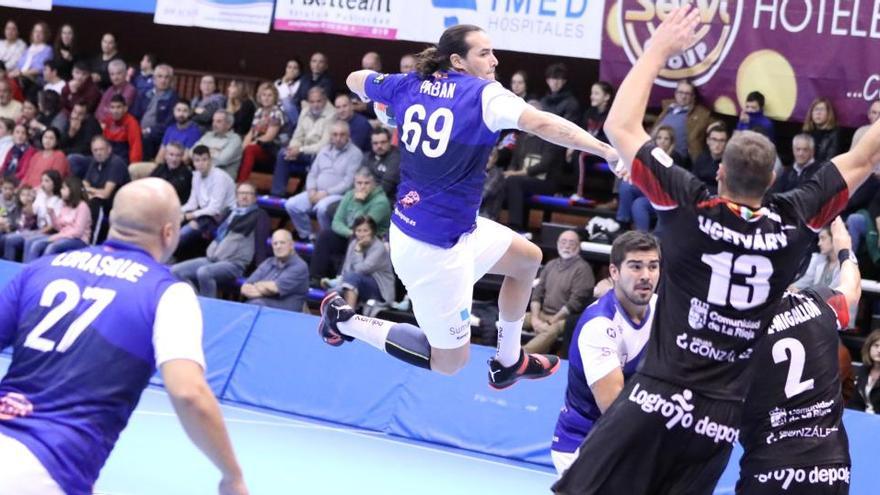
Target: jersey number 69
[[438, 128]]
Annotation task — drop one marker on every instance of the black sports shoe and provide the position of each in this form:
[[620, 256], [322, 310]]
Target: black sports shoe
[[334, 309], [529, 366]]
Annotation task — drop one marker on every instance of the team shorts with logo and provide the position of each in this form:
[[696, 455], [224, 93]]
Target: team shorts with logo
[[440, 281], [656, 438], [827, 479]]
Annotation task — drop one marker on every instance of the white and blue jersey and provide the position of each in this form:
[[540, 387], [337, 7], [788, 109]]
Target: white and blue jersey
[[88, 328], [448, 124], [604, 339]]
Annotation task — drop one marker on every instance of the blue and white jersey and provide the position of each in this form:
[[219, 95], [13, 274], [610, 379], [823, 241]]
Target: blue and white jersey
[[605, 338], [448, 125], [88, 328]]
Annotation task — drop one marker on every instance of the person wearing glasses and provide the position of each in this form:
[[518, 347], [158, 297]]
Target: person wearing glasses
[[688, 118]]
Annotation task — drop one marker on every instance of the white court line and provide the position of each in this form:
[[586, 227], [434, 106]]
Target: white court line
[[371, 435]]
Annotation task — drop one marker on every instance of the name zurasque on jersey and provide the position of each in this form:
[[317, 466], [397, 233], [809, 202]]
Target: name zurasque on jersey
[[770, 241]]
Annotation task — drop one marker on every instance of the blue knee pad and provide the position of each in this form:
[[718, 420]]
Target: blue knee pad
[[409, 344]]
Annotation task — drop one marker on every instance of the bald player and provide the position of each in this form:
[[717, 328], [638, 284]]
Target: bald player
[[88, 328]]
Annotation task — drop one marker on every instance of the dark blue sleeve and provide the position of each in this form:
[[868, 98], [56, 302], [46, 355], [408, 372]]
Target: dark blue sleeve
[[382, 87], [9, 298]]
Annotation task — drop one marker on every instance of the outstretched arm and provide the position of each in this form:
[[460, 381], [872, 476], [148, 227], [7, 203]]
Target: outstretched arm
[[850, 284], [356, 82], [624, 123], [562, 132], [857, 164]]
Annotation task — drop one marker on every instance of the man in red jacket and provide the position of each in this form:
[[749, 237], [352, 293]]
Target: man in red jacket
[[123, 131]]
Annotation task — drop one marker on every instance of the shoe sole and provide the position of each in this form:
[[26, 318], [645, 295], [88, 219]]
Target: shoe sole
[[550, 372], [338, 341]]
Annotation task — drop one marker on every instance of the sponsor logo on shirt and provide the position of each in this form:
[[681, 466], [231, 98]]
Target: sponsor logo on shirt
[[679, 413], [817, 475], [410, 199], [15, 405], [805, 432], [780, 417], [706, 349], [697, 314], [379, 79]]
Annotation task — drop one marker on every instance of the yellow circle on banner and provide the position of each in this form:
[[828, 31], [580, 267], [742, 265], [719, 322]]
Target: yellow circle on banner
[[725, 105], [770, 73], [611, 26]]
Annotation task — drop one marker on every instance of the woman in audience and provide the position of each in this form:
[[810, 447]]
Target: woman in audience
[[30, 67], [101, 62], [366, 271], [821, 123], [240, 105], [867, 396], [262, 142], [287, 88], [207, 102], [12, 47], [65, 53], [49, 158], [28, 114], [16, 162], [23, 218], [519, 84], [71, 225], [824, 269], [664, 138], [601, 96], [142, 78], [48, 197]]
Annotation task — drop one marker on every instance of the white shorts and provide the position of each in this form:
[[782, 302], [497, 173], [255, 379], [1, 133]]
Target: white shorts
[[21, 472], [440, 281], [562, 460]]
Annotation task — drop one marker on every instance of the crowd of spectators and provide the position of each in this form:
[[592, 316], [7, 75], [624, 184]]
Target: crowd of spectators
[[76, 125]]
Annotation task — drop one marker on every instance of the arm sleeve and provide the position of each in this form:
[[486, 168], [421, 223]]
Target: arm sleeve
[[191, 204], [136, 149], [338, 225], [177, 329], [351, 161], [381, 87], [541, 287], [501, 108], [836, 301], [598, 349], [260, 273], [231, 152], [666, 187], [294, 278], [819, 199], [582, 289], [806, 279], [9, 297], [372, 259], [216, 197]]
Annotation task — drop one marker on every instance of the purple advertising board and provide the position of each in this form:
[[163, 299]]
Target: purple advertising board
[[792, 51]]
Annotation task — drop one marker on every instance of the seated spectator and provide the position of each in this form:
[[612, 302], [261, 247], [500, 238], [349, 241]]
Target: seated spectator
[[752, 117], [30, 66], [492, 197], [37, 221], [367, 272], [71, 225], [118, 86], [7, 126], [65, 51], [534, 170], [519, 85], [287, 87], [370, 61], [208, 101], [100, 64], [706, 165], [211, 197], [28, 114], [821, 123], [16, 162], [383, 160], [316, 77], [142, 79], [13, 47], [9, 108], [241, 106], [873, 115], [231, 251], [52, 80], [311, 134], [867, 396], [281, 281], [123, 132], [155, 109], [77, 140], [264, 139], [224, 144], [407, 63], [49, 113], [358, 124], [688, 118], [331, 175], [81, 88], [48, 158], [824, 269], [13, 85], [560, 100], [804, 166], [601, 96], [365, 199], [633, 208], [565, 286], [175, 171], [21, 219], [105, 175], [184, 130], [9, 208]]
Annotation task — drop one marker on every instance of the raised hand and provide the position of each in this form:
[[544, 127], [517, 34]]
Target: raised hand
[[676, 33]]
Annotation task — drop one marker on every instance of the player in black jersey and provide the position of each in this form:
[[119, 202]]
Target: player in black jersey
[[727, 261], [792, 431]]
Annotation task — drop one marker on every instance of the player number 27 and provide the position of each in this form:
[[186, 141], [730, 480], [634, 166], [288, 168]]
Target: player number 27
[[72, 297], [757, 271], [790, 348], [438, 127]]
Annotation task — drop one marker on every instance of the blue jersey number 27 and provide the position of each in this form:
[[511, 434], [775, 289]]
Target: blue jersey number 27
[[72, 296]]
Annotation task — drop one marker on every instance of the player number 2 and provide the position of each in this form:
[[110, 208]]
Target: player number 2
[[790, 348], [72, 297], [757, 270], [438, 128]]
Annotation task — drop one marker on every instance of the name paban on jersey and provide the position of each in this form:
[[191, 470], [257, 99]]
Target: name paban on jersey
[[101, 265], [805, 311], [770, 241]]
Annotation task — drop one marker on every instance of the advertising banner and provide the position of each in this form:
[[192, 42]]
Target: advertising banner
[[792, 51], [253, 16], [27, 4], [554, 27]]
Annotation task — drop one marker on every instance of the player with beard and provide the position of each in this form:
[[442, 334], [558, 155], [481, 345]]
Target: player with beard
[[673, 426], [792, 429], [607, 344]]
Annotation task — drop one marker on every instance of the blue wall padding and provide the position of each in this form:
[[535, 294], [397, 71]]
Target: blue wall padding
[[285, 366]]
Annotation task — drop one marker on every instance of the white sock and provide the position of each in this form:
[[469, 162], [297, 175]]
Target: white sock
[[509, 341], [371, 330]]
